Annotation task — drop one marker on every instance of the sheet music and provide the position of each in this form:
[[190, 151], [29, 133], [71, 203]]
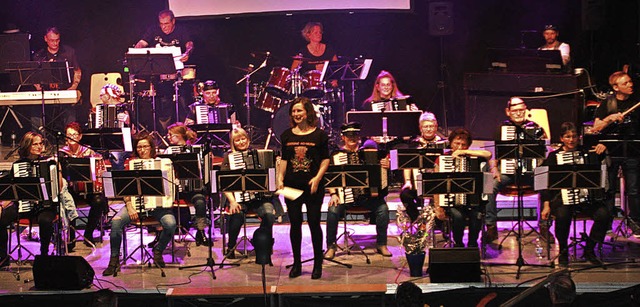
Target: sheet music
[[172, 50], [126, 139]]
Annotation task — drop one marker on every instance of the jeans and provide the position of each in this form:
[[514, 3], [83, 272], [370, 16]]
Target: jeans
[[491, 210], [122, 219], [377, 206], [459, 215], [266, 212]]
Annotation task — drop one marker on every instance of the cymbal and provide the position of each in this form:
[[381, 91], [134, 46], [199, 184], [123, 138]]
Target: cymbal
[[299, 57], [259, 54]]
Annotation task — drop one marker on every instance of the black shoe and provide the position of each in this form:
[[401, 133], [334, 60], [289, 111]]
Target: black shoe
[[71, 247], [231, 254], [153, 243], [563, 259], [201, 238], [491, 234], [590, 256], [113, 267], [317, 272], [157, 258], [296, 270]]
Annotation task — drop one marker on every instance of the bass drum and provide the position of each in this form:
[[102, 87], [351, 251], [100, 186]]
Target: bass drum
[[280, 120]]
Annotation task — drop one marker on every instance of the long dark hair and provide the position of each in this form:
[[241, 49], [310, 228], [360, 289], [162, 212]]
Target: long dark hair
[[312, 118], [25, 143], [144, 136]]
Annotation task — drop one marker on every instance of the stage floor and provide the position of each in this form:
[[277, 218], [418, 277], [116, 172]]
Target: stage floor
[[381, 276]]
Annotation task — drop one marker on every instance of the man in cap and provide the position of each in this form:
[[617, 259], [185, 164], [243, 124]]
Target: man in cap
[[211, 98], [351, 153]]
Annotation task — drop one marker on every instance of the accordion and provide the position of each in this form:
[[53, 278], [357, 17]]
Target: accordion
[[449, 164], [250, 159], [204, 159], [106, 116], [151, 202], [572, 196], [362, 157], [45, 169], [212, 115]]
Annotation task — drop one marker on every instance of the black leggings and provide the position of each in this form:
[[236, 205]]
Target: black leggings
[[294, 209], [601, 219]]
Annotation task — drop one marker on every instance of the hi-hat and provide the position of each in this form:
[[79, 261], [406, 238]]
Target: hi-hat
[[299, 57]]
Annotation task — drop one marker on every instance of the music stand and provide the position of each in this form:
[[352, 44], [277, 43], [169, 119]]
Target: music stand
[[353, 71], [137, 183], [39, 73], [518, 150], [242, 180], [215, 135], [412, 158], [386, 124], [152, 65], [186, 166], [108, 138], [620, 149]]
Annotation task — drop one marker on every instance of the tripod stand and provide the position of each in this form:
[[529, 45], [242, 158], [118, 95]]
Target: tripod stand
[[517, 151]]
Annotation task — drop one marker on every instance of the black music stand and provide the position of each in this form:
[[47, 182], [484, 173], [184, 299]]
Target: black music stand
[[622, 149], [355, 70], [386, 124], [152, 65], [352, 176], [214, 135], [576, 176], [39, 73], [107, 138], [412, 158], [186, 166], [139, 183], [518, 150]]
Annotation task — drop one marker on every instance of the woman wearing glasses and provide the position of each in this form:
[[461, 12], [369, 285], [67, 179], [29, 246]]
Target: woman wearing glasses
[[145, 148]]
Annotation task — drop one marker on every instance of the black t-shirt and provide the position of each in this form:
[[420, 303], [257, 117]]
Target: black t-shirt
[[65, 53], [156, 38], [328, 55], [631, 122], [304, 154]]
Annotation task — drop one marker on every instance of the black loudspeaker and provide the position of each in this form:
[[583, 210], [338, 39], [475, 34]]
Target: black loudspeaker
[[454, 264], [440, 18], [62, 273], [13, 48]]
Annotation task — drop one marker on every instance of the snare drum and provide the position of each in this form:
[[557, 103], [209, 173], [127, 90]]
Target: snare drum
[[312, 86], [280, 121], [277, 84], [268, 102], [189, 72]]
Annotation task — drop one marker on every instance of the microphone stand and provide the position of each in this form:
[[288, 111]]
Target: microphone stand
[[247, 93]]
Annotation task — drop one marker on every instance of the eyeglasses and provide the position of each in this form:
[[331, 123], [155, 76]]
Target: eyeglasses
[[73, 135]]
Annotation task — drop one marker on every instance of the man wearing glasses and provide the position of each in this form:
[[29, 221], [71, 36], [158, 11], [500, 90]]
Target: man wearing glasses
[[522, 129]]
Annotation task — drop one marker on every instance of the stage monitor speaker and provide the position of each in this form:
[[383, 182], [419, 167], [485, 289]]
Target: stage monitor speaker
[[13, 48], [62, 273], [440, 18], [454, 265]]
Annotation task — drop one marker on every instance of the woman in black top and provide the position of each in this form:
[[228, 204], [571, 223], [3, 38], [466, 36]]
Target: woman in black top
[[315, 51], [305, 159]]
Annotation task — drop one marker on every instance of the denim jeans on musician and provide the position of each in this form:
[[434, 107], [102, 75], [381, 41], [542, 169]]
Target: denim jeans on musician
[[459, 217], [377, 206], [265, 211], [122, 219], [69, 206], [491, 210]]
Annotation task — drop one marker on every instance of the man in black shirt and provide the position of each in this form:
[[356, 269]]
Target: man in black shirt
[[611, 118], [167, 34]]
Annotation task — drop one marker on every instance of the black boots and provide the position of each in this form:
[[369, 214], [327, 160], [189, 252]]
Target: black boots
[[202, 239], [113, 267]]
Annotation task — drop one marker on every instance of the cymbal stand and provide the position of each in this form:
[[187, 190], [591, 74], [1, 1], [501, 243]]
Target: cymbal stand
[[176, 88], [247, 90]]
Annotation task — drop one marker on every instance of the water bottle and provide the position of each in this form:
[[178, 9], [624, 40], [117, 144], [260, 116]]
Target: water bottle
[[539, 249]]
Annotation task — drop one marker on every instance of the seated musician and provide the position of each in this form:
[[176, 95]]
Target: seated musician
[[145, 148], [95, 198], [30, 150], [460, 140], [428, 138], [386, 95], [111, 94], [262, 204], [358, 197], [588, 201], [180, 135], [517, 126], [210, 99]]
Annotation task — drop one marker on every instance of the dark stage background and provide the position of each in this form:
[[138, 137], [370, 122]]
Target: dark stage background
[[603, 35]]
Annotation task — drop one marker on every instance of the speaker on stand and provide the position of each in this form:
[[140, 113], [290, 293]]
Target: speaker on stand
[[441, 24]]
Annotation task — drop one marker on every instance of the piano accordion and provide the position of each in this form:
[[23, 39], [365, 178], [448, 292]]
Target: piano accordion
[[250, 159], [572, 196], [146, 203], [362, 157], [106, 116], [450, 164], [193, 185], [212, 115], [45, 169], [95, 185]]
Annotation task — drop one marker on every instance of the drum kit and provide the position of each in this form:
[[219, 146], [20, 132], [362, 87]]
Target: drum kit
[[285, 84]]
